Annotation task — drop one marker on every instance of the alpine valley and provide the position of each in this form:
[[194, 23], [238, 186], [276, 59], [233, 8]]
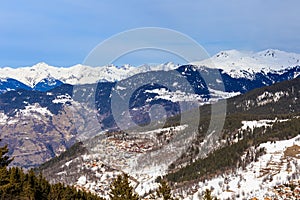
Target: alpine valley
[[62, 122]]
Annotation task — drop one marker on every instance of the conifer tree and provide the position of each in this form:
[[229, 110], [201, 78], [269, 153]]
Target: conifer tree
[[4, 176], [4, 159], [208, 196], [120, 189], [164, 191]]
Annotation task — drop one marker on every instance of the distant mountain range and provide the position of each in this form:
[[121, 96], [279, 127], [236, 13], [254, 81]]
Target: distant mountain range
[[257, 69]]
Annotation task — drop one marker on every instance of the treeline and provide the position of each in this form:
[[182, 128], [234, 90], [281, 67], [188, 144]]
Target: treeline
[[229, 157]]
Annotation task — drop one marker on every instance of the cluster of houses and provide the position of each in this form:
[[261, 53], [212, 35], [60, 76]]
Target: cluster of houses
[[288, 191], [115, 154]]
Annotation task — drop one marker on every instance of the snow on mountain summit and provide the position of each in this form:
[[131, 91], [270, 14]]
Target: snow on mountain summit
[[77, 74], [236, 62]]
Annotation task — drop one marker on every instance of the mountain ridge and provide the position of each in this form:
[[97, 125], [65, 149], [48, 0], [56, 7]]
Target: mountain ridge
[[235, 63]]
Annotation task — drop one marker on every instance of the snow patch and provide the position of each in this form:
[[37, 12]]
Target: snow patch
[[268, 97], [82, 180]]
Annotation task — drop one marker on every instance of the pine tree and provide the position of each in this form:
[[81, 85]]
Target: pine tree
[[120, 189], [4, 159], [5, 178], [43, 187], [164, 191], [29, 187], [56, 191], [208, 196]]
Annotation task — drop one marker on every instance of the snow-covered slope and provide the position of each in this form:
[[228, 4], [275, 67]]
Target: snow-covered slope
[[77, 74], [236, 63], [279, 165]]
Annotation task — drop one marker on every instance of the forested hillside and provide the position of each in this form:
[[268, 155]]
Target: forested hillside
[[15, 184]]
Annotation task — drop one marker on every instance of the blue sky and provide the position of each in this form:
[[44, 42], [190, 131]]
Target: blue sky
[[63, 32]]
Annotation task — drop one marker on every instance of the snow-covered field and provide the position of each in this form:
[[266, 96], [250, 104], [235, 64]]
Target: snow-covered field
[[179, 96], [260, 123]]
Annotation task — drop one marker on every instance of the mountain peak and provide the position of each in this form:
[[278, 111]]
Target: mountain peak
[[273, 53], [227, 53], [40, 65], [270, 53]]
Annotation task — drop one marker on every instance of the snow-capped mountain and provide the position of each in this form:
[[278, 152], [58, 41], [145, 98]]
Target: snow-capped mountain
[[77, 74], [235, 63], [245, 64]]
